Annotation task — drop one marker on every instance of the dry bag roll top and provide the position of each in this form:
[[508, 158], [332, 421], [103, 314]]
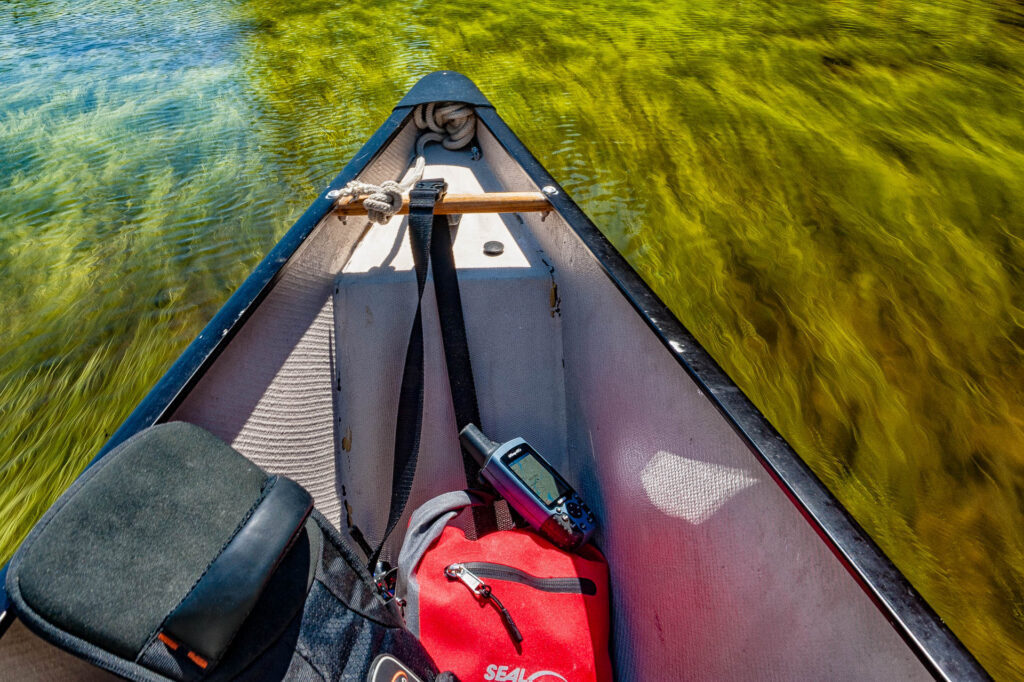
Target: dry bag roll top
[[175, 558]]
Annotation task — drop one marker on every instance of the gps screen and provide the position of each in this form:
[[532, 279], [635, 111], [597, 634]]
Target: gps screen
[[536, 476]]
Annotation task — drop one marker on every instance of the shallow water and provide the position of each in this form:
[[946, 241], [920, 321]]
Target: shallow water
[[829, 195]]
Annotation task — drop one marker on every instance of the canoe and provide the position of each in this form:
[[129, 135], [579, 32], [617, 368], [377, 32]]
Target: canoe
[[729, 559]]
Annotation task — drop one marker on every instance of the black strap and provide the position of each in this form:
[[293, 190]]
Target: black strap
[[409, 424], [453, 333], [430, 239], [456, 357]]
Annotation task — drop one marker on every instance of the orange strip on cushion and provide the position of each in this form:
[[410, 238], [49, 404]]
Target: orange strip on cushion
[[168, 641], [197, 659]]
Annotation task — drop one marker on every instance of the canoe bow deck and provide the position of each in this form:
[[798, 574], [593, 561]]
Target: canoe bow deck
[[729, 559]]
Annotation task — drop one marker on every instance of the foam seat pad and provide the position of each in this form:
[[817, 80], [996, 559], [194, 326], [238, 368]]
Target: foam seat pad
[[175, 557]]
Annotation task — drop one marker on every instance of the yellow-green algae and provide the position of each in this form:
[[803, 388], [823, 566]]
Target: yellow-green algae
[[829, 194]]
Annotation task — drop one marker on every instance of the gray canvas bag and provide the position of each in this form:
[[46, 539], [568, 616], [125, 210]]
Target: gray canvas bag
[[176, 558]]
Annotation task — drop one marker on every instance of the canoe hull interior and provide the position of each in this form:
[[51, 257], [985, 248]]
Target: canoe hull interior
[[716, 573]]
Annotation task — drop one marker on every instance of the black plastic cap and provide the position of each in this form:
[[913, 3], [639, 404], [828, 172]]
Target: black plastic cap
[[444, 86], [477, 444]]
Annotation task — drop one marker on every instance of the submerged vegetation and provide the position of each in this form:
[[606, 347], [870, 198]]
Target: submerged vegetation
[[830, 195]]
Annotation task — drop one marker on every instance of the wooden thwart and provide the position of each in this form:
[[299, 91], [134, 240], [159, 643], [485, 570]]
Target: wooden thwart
[[454, 204]]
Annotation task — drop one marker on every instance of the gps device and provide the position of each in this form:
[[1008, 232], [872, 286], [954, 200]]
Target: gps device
[[532, 487]]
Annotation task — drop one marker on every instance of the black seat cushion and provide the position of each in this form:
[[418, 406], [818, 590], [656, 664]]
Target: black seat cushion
[[174, 557], [98, 566]]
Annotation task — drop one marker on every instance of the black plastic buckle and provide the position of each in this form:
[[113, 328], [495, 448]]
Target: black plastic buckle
[[425, 189], [386, 578]]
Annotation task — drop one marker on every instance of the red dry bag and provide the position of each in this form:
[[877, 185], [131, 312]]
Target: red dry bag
[[508, 607]]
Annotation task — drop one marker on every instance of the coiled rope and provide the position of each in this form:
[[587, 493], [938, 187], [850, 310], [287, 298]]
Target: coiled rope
[[451, 123]]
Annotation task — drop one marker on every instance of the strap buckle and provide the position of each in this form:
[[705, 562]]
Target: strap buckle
[[385, 576], [432, 190]]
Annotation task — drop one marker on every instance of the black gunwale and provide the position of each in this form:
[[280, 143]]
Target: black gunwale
[[945, 657]]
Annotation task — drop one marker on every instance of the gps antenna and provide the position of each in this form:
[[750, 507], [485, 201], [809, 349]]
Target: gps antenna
[[477, 444]]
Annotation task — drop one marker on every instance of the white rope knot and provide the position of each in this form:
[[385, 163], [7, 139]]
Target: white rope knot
[[451, 123], [384, 200], [383, 203]]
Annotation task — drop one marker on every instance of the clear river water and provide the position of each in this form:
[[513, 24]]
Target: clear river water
[[830, 195]]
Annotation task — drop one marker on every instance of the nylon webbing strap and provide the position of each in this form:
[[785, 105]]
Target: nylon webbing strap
[[429, 238], [409, 424], [453, 330], [456, 357]]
